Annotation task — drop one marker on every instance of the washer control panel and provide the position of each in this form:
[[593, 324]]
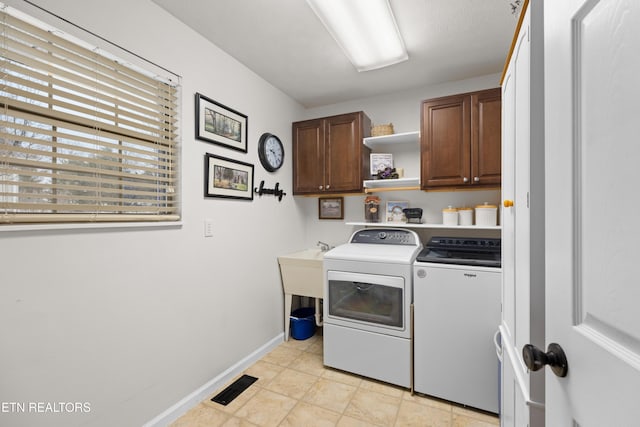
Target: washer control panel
[[391, 236]]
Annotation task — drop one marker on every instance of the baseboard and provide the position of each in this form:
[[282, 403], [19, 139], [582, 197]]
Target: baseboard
[[188, 402]]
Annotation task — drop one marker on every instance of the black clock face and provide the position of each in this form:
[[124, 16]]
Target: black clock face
[[270, 152]]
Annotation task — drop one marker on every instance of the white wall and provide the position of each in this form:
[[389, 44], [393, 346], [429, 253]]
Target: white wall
[[133, 320], [403, 110], [106, 316]]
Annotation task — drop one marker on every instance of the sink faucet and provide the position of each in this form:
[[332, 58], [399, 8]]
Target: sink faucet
[[323, 246]]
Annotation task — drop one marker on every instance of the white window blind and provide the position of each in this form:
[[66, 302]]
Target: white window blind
[[83, 137]]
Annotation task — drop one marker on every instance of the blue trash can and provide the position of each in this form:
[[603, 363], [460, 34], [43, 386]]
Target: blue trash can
[[303, 323]]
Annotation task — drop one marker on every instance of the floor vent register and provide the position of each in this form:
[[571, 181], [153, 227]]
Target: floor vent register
[[234, 390]]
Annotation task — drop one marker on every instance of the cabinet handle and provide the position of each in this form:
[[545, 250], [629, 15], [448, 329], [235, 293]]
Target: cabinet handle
[[320, 187], [508, 203], [465, 179], [476, 179], [328, 186]]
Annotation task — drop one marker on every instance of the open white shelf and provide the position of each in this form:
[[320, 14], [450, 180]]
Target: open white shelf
[[423, 225], [391, 183], [396, 138]]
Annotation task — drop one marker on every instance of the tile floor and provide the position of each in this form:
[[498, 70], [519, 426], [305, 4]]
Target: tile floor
[[294, 389]]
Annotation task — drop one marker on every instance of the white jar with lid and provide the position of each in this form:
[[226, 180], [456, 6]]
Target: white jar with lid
[[486, 215], [450, 216], [465, 215]]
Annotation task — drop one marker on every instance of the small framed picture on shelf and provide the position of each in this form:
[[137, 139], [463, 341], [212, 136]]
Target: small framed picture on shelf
[[394, 211], [380, 162], [331, 208]]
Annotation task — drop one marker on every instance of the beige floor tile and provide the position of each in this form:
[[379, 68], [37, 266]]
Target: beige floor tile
[[330, 395], [341, 377], [332, 398], [305, 414], [467, 421], [371, 406], [238, 422], [282, 355], [302, 345], [309, 363], [201, 416], [347, 421], [316, 347], [428, 401], [380, 387], [264, 372], [266, 408], [413, 414], [480, 416], [292, 383]]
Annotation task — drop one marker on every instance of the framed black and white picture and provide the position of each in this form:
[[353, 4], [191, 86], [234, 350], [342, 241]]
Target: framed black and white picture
[[227, 178], [219, 124]]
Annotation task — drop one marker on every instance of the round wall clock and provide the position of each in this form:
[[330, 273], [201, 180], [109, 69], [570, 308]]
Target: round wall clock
[[270, 152]]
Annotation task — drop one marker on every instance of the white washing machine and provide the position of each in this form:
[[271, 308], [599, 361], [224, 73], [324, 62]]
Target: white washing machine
[[367, 298], [457, 297]]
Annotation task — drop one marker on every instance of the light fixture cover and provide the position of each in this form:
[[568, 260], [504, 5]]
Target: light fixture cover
[[365, 29]]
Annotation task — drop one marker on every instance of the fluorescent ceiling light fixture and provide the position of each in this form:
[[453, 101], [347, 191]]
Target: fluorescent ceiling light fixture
[[365, 29]]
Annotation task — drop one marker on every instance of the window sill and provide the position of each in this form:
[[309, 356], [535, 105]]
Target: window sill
[[90, 226]]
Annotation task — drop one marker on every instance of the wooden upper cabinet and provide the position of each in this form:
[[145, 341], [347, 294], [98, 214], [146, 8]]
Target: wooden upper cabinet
[[460, 141], [486, 137], [308, 156], [328, 154], [445, 141]]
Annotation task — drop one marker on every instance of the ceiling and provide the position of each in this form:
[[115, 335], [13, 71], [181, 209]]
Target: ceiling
[[285, 43]]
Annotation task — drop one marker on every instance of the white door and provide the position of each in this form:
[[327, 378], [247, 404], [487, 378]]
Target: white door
[[522, 245], [592, 113]]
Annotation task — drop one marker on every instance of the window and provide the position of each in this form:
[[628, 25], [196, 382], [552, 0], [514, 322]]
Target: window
[[83, 137]]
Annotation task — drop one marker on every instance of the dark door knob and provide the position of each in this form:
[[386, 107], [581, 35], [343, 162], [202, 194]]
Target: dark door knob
[[535, 358]]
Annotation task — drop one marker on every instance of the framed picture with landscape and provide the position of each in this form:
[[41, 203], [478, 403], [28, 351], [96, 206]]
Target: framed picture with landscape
[[219, 124], [330, 208], [227, 178]]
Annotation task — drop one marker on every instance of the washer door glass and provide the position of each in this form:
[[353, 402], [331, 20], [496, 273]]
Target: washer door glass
[[367, 298]]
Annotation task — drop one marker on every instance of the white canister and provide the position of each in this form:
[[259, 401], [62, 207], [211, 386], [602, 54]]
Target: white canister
[[486, 215], [450, 216], [465, 215]]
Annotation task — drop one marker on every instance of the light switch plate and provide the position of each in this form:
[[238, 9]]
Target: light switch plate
[[208, 228]]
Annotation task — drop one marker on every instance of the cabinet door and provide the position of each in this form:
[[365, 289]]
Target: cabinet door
[[308, 157], [345, 155], [486, 107], [445, 142]]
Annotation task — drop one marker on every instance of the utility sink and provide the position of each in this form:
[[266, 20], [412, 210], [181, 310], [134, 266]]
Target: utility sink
[[301, 274], [303, 257]]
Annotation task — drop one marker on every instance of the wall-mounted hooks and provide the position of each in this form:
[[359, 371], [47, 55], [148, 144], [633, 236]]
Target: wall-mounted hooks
[[277, 192]]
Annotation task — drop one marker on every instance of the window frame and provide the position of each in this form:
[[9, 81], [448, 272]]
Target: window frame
[[117, 218]]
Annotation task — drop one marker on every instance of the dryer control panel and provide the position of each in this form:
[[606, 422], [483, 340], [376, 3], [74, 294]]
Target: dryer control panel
[[391, 236]]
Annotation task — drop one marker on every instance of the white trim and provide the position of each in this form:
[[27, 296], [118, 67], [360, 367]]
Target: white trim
[[88, 225], [516, 365], [197, 396]]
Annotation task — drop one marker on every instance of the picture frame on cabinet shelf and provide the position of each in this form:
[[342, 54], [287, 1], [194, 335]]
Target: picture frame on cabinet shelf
[[218, 124], [227, 178], [331, 207], [394, 212]]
